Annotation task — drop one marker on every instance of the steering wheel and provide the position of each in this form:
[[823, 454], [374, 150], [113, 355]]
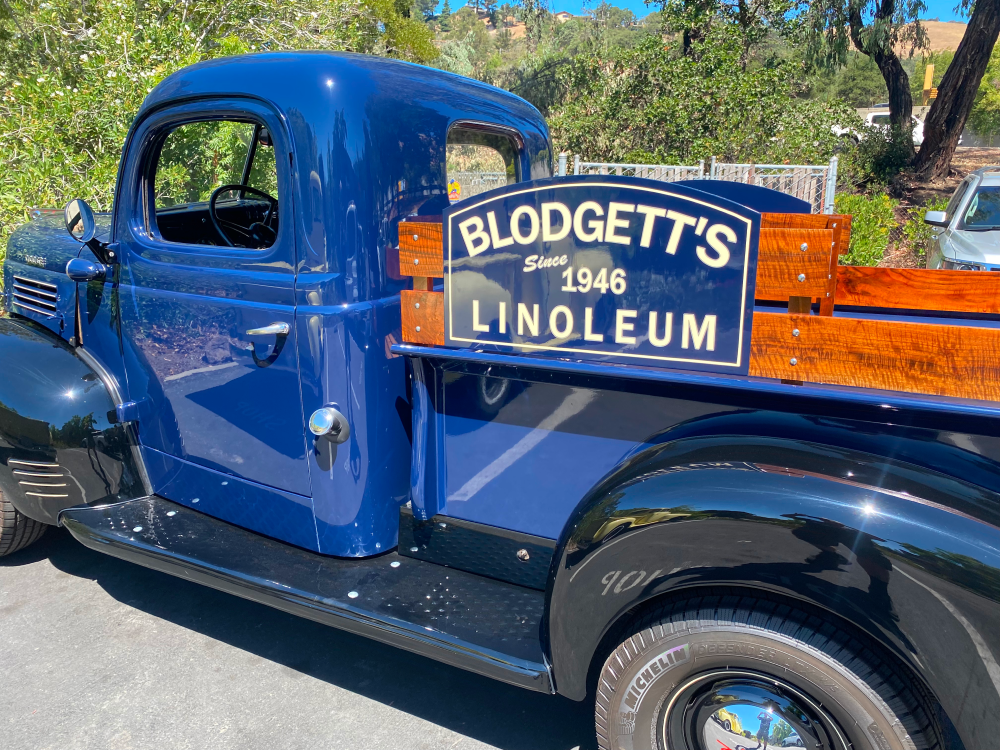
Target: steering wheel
[[257, 232]]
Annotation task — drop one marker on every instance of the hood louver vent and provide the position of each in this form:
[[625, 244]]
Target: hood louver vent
[[39, 479], [37, 296]]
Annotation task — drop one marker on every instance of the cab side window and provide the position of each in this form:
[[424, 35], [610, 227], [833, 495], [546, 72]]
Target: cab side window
[[216, 183], [478, 161]]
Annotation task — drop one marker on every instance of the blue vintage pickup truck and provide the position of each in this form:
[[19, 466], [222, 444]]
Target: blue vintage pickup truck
[[346, 347]]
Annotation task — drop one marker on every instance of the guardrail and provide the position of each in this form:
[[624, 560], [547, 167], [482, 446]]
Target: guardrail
[[816, 184]]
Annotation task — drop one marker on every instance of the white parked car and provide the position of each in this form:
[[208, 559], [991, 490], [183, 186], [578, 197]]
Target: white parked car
[[967, 233], [880, 119]]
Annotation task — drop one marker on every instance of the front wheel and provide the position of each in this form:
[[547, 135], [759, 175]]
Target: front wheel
[[783, 673], [17, 531]]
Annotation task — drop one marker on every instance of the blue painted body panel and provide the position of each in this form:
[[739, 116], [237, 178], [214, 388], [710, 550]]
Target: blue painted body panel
[[39, 251], [752, 196]]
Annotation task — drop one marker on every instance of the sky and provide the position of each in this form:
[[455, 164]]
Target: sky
[[943, 10]]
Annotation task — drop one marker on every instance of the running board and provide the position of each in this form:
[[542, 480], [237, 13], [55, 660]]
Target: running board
[[471, 622]]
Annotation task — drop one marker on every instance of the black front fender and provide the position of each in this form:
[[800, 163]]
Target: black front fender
[[61, 443], [901, 552]]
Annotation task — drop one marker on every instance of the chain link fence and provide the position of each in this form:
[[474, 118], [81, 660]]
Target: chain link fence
[[815, 184], [474, 183]]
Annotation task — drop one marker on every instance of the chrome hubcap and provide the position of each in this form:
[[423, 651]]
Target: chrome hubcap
[[741, 710]]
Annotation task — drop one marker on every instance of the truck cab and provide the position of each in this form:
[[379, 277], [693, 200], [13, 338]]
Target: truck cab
[[256, 279]]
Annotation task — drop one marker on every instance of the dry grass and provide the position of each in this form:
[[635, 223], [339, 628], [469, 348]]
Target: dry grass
[[944, 35]]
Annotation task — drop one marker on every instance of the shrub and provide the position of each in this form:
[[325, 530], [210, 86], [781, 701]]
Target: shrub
[[917, 234], [873, 220], [881, 154]]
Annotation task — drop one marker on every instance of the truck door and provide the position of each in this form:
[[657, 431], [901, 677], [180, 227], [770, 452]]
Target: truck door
[[208, 315]]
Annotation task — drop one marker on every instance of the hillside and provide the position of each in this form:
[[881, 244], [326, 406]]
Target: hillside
[[944, 35]]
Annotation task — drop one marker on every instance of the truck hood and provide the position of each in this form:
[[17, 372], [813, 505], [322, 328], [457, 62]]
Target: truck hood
[[35, 284]]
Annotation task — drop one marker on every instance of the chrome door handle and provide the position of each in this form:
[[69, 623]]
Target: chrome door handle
[[281, 330], [275, 329]]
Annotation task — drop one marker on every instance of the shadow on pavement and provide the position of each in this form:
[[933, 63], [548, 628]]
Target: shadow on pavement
[[477, 707]]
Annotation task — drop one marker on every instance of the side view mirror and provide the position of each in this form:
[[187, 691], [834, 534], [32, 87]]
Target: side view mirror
[[81, 269], [936, 218], [80, 221]]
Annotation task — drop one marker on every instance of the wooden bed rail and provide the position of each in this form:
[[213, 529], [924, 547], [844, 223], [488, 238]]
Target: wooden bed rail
[[798, 263], [919, 289]]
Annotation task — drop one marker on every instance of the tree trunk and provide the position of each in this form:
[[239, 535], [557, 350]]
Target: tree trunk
[[898, 83], [957, 92], [896, 80]]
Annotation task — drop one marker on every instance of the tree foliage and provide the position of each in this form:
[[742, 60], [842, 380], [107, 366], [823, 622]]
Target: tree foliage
[[654, 104], [985, 116], [959, 89], [72, 75], [877, 28]]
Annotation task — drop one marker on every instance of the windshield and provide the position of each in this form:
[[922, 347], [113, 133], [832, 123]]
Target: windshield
[[984, 209]]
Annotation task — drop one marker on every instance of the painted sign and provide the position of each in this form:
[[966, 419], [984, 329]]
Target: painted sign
[[603, 268]]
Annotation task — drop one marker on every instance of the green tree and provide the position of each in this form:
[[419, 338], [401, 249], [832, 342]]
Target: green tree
[[424, 8], [752, 20], [859, 83], [985, 116], [444, 20], [469, 48], [959, 89], [656, 105], [877, 28], [72, 75], [534, 14]]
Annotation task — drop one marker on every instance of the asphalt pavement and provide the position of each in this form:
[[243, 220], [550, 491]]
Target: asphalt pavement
[[96, 652]]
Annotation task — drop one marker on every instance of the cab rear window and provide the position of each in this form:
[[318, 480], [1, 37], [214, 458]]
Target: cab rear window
[[478, 161]]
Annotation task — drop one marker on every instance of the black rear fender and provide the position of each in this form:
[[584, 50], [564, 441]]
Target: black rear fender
[[61, 443], [895, 550]]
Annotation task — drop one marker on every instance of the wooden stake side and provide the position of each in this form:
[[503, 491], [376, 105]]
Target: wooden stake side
[[420, 249], [940, 360], [919, 289], [794, 263], [422, 314]]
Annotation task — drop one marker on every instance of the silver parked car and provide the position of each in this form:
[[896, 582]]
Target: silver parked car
[[967, 234]]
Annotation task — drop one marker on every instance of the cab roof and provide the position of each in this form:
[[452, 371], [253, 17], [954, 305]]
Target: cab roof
[[289, 79]]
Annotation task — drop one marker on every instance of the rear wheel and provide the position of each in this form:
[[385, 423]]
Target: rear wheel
[[791, 679], [17, 531]]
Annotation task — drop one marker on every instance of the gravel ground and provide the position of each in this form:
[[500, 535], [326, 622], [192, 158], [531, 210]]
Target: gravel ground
[[100, 653]]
